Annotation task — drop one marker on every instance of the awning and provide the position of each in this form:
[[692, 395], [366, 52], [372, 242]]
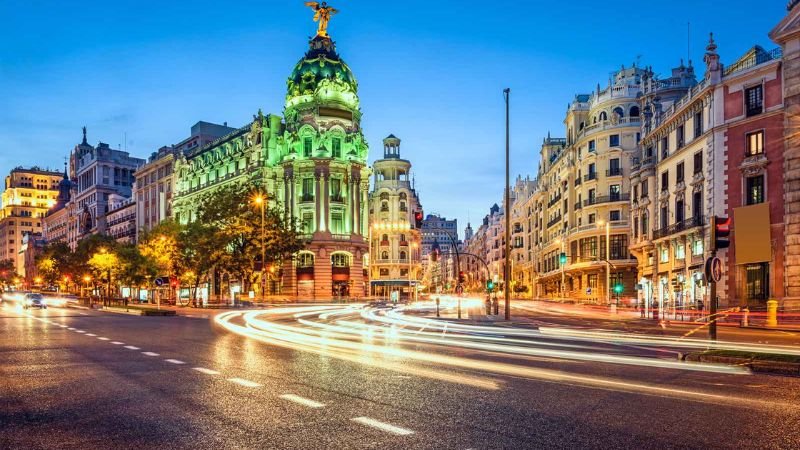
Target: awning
[[391, 282]]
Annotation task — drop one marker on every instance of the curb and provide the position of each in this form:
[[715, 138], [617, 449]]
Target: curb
[[757, 366], [139, 312], [786, 330]]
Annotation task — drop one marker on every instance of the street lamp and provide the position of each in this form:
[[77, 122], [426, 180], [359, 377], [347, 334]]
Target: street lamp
[[86, 279], [260, 201], [608, 262], [413, 247], [562, 263]]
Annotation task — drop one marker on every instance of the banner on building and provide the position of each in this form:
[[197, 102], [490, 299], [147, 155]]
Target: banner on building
[[752, 239]]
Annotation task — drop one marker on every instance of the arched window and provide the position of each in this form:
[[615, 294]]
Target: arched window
[[594, 120], [619, 111], [403, 256], [340, 260], [384, 196], [634, 111], [603, 116], [385, 255], [580, 127], [403, 196], [305, 259]]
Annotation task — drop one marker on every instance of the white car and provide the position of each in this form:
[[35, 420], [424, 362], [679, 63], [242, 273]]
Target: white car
[[34, 301]]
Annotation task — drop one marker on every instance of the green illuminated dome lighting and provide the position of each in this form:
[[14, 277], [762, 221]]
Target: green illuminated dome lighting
[[322, 76]]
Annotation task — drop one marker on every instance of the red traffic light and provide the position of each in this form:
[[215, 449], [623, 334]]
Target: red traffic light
[[720, 232]]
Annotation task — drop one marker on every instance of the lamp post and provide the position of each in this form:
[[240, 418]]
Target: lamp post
[[410, 286], [608, 261], [506, 266], [562, 263], [260, 201]]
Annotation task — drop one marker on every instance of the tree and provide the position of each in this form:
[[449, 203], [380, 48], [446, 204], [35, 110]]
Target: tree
[[7, 273], [161, 245], [135, 269], [234, 213], [201, 249], [105, 265]]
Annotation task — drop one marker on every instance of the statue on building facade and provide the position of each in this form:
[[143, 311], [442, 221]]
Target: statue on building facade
[[322, 14]]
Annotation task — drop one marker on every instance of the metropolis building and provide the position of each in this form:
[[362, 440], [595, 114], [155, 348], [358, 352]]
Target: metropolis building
[[312, 162]]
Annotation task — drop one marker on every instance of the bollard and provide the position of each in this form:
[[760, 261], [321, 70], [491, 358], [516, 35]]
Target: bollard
[[746, 317], [772, 313]]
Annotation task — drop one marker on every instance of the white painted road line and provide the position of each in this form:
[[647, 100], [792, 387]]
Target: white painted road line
[[117, 343], [302, 401], [382, 426], [130, 347], [63, 326], [102, 338], [83, 314], [80, 331], [70, 328], [205, 371], [174, 361], [243, 382], [91, 334], [150, 354]]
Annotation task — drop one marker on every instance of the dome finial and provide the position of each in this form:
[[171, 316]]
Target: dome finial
[[84, 136], [322, 14]]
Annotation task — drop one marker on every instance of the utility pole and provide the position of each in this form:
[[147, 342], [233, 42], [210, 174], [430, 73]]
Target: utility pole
[[506, 266]]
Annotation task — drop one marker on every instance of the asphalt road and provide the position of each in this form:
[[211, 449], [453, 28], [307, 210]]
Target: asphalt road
[[85, 379]]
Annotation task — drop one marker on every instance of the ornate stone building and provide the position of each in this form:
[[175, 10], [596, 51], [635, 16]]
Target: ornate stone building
[[312, 163], [395, 240]]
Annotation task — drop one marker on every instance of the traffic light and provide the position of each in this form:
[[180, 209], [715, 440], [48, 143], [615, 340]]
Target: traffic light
[[418, 219], [489, 285], [562, 258], [720, 232], [618, 288], [461, 277]]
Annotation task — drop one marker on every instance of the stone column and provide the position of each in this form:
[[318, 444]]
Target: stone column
[[318, 201]]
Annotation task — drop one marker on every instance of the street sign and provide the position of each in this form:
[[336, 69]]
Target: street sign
[[162, 281], [714, 269], [588, 291]]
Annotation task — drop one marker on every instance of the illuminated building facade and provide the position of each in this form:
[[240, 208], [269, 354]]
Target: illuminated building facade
[[395, 242], [312, 162], [28, 195]]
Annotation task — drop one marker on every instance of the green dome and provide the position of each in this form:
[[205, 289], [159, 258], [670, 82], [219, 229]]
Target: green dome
[[321, 62]]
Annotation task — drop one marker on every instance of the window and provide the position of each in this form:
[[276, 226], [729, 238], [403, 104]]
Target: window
[[614, 215], [754, 100], [337, 148], [757, 281], [755, 190], [614, 192], [337, 223], [636, 191], [403, 255], [755, 143], [697, 205], [697, 247], [644, 189], [680, 251], [664, 147], [619, 246], [591, 218], [665, 181], [384, 272], [340, 260], [308, 189], [588, 247], [307, 147], [591, 145], [308, 223], [591, 280], [644, 224], [384, 255], [613, 140], [678, 211], [679, 136], [698, 124], [305, 260], [698, 162], [664, 217], [635, 228], [664, 255], [613, 167], [679, 174], [336, 189], [603, 116], [634, 111]]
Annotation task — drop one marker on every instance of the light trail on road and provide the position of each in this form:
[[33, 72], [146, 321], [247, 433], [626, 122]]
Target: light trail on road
[[397, 340]]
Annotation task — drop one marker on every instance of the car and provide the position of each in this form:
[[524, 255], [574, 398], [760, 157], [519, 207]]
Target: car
[[34, 301]]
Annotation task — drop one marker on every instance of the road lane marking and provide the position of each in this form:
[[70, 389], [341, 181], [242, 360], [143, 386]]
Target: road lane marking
[[102, 338], [63, 326], [80, 331], [70, 328], [131, 347], [382, 426], [91, 334], [117, 342], [83, 314], [243, 382], [205, 371], [150, 354], [174, 361], [302, 401]]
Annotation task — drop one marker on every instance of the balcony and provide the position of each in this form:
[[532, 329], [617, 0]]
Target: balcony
[[555, 220], [614, 172], [578, 181], [578, 206], [337, 198], [607, 199], [306, 198], [678, 227], [554, 201], [590, 176]]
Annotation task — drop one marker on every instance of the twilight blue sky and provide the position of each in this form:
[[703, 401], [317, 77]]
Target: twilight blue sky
[[431, 72]]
